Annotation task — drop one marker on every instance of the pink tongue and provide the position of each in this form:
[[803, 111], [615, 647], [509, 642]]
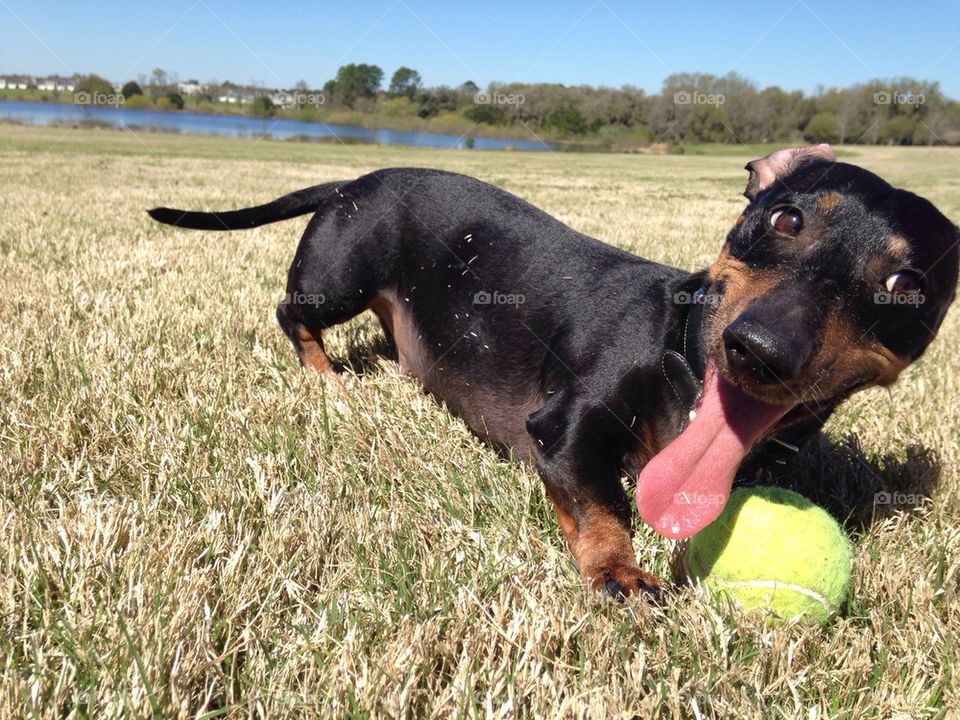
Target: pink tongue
[[685, 486]]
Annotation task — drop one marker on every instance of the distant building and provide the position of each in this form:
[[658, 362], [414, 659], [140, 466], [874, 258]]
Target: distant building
[[241, 96], [57, 83], [16, 82], [230, 93], [249, 94], [191, 87]]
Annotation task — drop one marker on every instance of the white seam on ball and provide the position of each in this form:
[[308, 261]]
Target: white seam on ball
[[774, 584]]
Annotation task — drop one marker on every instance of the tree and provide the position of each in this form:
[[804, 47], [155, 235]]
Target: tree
[[355, 81], [405, 81], [823, 127], [131, 89], [330, 90], [175, 100], [943, 126], [159, 77], [469, 88], [262, 106], [487, 114], [436, 100], [137, 102], [566, 121], [898, 130], [781, 115], [94, 84]]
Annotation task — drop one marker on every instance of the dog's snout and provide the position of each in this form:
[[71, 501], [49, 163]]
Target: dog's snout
[[755, 351]]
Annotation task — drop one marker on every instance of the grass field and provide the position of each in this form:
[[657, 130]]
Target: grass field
[[191, 526]]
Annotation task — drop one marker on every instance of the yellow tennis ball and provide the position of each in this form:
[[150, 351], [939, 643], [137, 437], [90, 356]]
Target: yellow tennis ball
[[772, 548]]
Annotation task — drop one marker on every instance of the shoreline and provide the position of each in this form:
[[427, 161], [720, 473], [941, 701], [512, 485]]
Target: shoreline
[[444, 125]]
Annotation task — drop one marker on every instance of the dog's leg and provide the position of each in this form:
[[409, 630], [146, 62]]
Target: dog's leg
[[307, 341], [335, 275], [582, 482], [599, 538]]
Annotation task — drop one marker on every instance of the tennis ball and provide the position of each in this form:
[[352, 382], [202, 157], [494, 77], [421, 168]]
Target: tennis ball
[[772, 548]]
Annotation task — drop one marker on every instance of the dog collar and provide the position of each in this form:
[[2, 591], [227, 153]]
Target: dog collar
[[684, 370]]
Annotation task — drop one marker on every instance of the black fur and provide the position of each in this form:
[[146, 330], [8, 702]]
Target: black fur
[[549, 343]]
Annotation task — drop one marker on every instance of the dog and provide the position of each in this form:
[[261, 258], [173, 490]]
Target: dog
[[593, 364]]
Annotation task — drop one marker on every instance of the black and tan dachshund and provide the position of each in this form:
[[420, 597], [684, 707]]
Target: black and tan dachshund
[[591, 363]]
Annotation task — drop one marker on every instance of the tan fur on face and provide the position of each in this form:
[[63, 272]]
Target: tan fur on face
[[898, 247], [847, 355], [741, 286], [828, 202]]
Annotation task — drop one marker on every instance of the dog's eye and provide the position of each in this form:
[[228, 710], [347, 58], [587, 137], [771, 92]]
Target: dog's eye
[[788, 221], [905, 282]]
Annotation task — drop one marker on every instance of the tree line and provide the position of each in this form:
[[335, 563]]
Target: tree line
[[690, 108]]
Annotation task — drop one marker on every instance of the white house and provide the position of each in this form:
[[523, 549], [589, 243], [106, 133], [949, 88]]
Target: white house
[[15, 82], [191, 87], [57, 83], [240, 96]]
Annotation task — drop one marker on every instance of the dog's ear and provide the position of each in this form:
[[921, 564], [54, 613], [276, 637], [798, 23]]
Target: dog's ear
[[765, 171]]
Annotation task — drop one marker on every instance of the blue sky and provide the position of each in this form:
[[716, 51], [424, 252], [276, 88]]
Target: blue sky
[[797, 44]]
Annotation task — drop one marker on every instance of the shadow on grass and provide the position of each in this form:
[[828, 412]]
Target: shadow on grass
[[363, 357], [856, 487]]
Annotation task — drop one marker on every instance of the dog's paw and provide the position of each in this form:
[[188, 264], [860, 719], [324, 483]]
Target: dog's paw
[[620, 581]]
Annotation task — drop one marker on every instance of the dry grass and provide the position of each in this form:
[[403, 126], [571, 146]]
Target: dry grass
[[191, 526]]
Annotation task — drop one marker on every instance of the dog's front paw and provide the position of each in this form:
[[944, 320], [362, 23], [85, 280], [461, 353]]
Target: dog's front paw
[[620, 581]]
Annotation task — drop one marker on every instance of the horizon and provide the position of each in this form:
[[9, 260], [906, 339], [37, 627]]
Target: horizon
[[601, 44], [175, 78]]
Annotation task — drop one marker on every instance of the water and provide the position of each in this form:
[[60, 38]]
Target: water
[[39, 113]]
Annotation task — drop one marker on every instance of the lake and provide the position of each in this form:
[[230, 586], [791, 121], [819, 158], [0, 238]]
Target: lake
[[39, 113]]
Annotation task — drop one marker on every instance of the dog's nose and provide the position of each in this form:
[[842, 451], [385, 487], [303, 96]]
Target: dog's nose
[[753, 350]]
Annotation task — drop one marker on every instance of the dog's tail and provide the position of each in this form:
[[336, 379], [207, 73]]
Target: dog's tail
[[289, 206]]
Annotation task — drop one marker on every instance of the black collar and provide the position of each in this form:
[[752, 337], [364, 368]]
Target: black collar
[[684, 367], [694, 350]]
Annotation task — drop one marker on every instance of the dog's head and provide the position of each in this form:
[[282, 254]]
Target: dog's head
[[831, 281]]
